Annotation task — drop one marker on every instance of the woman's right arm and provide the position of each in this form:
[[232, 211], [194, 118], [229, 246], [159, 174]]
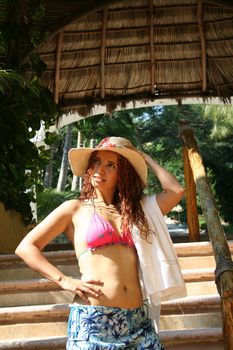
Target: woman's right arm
[[172, 190], [30, 250]]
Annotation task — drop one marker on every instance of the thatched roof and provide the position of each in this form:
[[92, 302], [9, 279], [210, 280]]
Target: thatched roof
[[111, 52]]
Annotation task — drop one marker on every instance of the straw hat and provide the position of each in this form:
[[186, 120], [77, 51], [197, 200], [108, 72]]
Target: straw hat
[[79, 157]]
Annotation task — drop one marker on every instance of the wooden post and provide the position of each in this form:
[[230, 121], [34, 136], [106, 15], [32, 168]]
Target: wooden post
[[224, 268], [191, 199], [76, 179]]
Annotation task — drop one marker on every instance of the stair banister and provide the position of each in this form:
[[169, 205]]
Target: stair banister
[[222, 255]]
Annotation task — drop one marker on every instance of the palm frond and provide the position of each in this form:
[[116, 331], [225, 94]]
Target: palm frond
[[7, 77]]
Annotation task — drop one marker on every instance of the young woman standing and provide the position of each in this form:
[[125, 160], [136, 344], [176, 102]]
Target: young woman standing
[[125, 255]]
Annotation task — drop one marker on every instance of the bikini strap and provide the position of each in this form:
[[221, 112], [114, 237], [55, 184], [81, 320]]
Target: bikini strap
[[93, 202]]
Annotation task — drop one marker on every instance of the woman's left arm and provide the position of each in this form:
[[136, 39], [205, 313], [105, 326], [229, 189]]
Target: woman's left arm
[[172, 190]]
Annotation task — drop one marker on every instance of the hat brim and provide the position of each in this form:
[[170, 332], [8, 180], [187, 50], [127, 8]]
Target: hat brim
[[79, 157]]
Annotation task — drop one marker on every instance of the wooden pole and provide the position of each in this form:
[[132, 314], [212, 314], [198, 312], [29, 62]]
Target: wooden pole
[[75, 179], [191, 199], [224, 268]]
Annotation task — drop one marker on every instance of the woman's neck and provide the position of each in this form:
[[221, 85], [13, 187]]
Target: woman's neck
[[107, 199]]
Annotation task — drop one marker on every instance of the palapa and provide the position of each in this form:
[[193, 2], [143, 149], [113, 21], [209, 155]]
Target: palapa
[[112, 52]]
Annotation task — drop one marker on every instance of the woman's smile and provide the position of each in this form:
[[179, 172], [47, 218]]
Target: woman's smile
[[98, 178]]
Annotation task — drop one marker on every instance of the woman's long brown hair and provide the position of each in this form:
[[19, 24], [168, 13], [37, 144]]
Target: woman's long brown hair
[[127, 196]]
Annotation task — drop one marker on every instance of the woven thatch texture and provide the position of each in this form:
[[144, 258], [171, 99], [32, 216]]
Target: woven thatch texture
[[142, 49]]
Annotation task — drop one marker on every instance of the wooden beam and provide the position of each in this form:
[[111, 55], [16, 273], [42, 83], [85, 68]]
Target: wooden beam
[[102, 53], [224, 268], [152, 55], [220, 3], [203, 44], [57, 66], [191, 200]]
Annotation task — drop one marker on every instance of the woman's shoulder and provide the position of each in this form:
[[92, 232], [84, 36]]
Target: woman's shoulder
[[68, 207], [71, 204]]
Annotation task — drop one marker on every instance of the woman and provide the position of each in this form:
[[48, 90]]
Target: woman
[[113, 227]]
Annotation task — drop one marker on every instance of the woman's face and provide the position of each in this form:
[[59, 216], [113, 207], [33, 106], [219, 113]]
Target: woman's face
[[104, 170]]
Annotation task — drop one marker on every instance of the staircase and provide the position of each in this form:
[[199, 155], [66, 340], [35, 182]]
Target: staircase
[[34, 312]]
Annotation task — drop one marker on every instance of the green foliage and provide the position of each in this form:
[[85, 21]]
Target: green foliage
[[50, 199], [7, 77], [223, 189], [222, 119], [47, 201], [25, 104], [21, 113]]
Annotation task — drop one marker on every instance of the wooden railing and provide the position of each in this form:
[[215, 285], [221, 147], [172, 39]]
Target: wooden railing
[[222, 255]]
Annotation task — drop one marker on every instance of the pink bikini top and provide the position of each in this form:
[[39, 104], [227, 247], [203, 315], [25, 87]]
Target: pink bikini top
[[100, 233]]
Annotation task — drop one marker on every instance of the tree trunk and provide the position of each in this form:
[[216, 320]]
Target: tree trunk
[[48, 177], [65, 163], [224, 269]]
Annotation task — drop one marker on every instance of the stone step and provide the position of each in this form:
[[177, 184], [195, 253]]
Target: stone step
[[45, 329], [42, 291], [59, 297], [48, 320], [196, 262], [197, 249], [44, 285], [59, 328], [44, 326], [201, 288], [59, 312], [33, 330], [190, 321], [190, 255], [191, 305], [24, 272], [68, 257], [202, 339], [36, 298], [63, 257], [35, 313], [39, 343]]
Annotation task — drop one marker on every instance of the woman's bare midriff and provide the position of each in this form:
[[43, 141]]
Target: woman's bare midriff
[[117, 267]]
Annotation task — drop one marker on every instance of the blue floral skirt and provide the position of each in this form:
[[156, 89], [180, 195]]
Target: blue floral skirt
[[99, 328]]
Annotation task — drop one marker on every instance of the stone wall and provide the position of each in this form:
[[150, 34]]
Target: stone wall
[[12, 230]]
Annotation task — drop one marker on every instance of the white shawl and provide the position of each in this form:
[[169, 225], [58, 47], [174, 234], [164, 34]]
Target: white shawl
[[159, 268]]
